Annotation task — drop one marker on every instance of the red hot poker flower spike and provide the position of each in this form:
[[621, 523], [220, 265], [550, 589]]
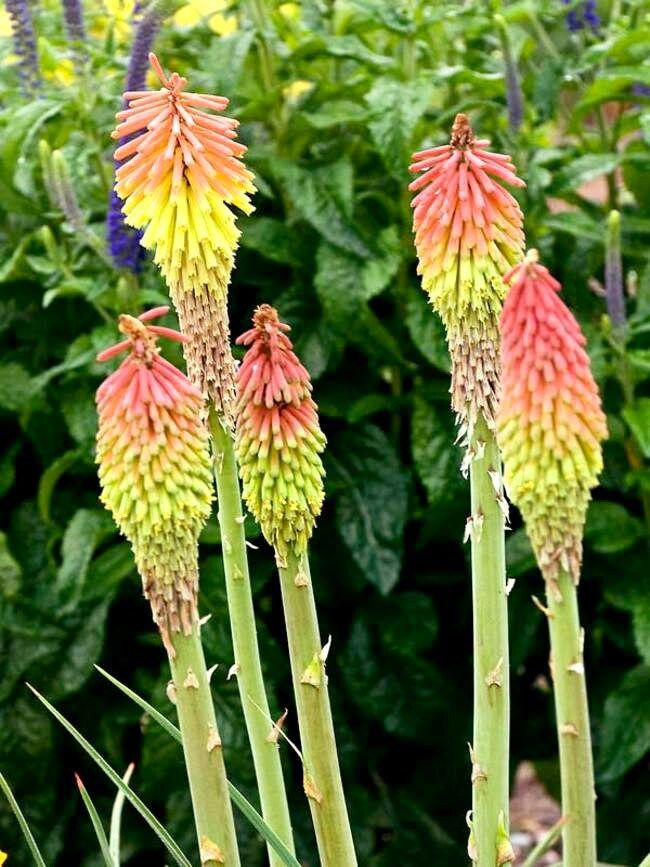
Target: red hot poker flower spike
[[154, 468], [550, 423], [279, 440], [468, 233]]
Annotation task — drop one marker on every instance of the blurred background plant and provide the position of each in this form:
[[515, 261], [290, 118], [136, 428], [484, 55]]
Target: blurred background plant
[[332, 99]]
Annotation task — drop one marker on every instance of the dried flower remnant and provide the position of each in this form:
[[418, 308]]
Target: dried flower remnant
[[468, 233], [279, 440], [154, 468], [179, 176], [551, 423]]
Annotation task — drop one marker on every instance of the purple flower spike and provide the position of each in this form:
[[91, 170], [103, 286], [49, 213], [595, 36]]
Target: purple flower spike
[[24, 44], [123, 241], [73, 16]]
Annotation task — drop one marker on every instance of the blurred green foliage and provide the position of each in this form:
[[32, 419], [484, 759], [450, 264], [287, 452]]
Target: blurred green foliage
[[332, 99]]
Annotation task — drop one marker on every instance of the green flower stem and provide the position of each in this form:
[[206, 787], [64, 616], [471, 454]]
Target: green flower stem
[[322, 776], [215, 825], [490, 747], [574, 734], [266, 753]]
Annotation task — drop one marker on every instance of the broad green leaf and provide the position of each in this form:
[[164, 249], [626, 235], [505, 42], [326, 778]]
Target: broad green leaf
[[336, 113], [519, 554], [10, 571], [395, 108], [85, 531], [575, 223], [436, 460], [427, 331], [343, 46], [313, 200], [129, 794], [16, 387], [269, 238], [625, 730], [638, 418], [24, 827], [100, 833], [370, 503], [610, 528], [223, 61], [587, 168]]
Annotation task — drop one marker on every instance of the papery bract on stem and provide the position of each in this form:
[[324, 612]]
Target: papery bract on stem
[[154, 468], [551, 423], [468, 233], [279, 440]]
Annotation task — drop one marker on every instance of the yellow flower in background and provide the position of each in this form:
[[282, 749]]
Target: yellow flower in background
[[291, 11], [119, 16], [5, 30], [223, 25], [3, 858], [195, 11], [62, 73], [292, 92]]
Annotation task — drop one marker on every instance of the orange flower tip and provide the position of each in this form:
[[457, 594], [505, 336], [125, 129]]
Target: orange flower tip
[[140, 338], [79, 782]]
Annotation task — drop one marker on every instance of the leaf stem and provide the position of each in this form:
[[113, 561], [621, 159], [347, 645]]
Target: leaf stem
[[572, 716], [266, 753], [215, 825], [490, 748], [322, 776]]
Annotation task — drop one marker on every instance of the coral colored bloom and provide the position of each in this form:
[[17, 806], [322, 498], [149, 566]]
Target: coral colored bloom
[[154, 468], [279, 440], [468, 233], [550, 423], [179, 176]]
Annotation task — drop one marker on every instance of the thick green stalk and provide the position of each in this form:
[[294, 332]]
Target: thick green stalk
[[490, 747], [574, 734], [266, 753], [215, 825], [322, 776]]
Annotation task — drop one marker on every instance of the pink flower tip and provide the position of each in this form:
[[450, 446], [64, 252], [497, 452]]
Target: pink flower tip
[[141, 339]]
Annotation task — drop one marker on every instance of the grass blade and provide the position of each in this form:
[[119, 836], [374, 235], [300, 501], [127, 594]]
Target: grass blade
[[116, 818], [544, 844], [22, 821], [130, 795], [239, 800], [97, 823]]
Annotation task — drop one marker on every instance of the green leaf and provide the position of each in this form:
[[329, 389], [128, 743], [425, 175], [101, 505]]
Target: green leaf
[[335, 113], [7, 468], [610, 528], [270, 239], [638, 418], [10, 571], [625, 730], [519, 554], [314, 201], [115, 831], [343, 46], [16, 387], [587, 168], [267, 833], [50, 478], [224, 59], [96, 823], [22, 821], [575, 223], [396, 107], [85, 531], [129, 794], [370, 503], [436, 460], [427, 331]]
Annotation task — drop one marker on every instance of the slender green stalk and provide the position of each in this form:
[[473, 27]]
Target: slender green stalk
[[490, 748], [322, 776], [266, 753], [574, 734], [215, 825]]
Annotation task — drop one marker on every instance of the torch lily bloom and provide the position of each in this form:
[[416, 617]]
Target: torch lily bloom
[[468, 233], [279, 440], [154, 468], [551, 423], [178, 177]]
